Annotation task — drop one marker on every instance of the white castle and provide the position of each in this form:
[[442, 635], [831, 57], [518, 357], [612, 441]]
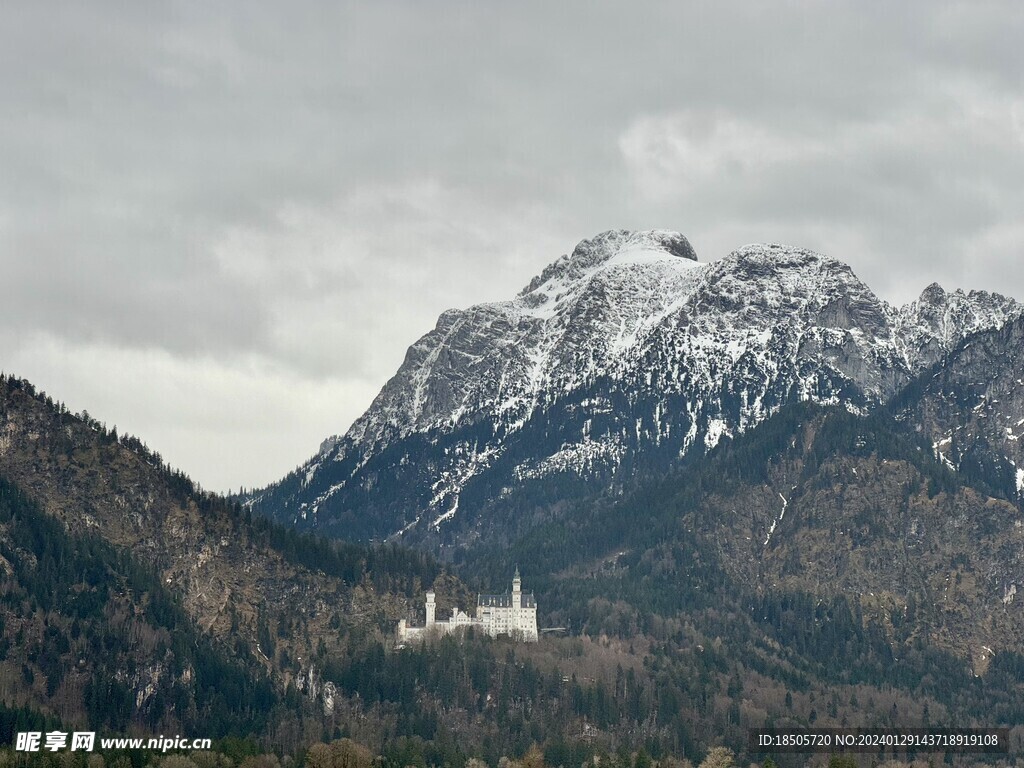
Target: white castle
[[508, 614]]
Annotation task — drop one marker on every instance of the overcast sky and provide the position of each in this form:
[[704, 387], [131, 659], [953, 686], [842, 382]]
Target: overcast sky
[[221, 225]]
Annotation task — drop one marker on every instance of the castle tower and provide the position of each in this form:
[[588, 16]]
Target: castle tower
[[431, 607], [517, 592]]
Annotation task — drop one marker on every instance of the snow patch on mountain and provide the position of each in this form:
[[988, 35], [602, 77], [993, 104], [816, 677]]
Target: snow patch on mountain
[[777, 520], [579, 458]]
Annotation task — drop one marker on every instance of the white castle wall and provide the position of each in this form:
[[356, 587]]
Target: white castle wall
[[511, 615]]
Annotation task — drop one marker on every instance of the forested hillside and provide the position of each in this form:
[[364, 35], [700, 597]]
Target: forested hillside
[[823, 568]]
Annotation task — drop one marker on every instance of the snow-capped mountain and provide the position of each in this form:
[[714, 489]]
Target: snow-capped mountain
[[933, 324], [626, 355]]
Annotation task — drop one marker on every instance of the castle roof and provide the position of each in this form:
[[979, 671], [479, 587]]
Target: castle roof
[[505, 600]]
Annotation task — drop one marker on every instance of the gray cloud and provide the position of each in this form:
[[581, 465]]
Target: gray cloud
[[272, 203]]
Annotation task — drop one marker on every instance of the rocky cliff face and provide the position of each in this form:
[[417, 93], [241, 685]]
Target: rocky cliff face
[[931, 326], [971, 405], [627, 353]]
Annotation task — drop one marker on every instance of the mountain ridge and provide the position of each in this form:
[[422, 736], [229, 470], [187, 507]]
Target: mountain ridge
[[697, 350]]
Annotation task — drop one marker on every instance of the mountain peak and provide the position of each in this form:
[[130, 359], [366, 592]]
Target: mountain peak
[[933, 294], [608, 247], [771, 257]]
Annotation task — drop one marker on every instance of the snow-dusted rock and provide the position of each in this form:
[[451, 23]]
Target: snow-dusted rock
[[625, 352]]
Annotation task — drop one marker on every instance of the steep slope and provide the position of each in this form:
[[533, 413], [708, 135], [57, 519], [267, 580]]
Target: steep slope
[[814, 502], [89, 634], [626, 355], [931, 326], [971, 404], [102, 544]]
